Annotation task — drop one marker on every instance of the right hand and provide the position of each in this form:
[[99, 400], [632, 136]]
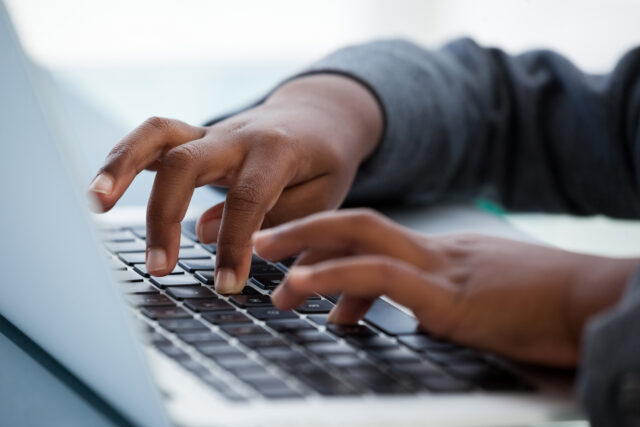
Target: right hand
[[295, 154]]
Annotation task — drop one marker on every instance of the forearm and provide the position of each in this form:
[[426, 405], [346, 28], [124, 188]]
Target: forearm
[[530, 131]]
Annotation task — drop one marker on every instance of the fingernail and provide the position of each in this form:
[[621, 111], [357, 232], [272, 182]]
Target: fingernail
[[225, 281], [208, 231], [156, 259], [103, 184]]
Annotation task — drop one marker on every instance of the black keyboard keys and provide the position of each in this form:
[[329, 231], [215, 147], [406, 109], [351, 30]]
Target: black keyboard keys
[[271, 313], [165, 312], [256, 300], [206, 305], [315, 306], [190, 292]]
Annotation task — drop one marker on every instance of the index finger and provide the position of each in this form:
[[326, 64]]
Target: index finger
[[137, 151]]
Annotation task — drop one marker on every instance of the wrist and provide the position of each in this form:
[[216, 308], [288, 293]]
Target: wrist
[[597, 286], [354, 113]]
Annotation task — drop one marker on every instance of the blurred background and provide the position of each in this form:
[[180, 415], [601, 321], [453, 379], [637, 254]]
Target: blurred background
[[111, 64]]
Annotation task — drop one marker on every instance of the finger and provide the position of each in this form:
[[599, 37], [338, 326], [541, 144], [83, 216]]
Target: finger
[[139, 149], [291, 298], [183, 168], [304, 199], [208, 225], [359, 231], [368, 277], [349, 309], [253, 194]]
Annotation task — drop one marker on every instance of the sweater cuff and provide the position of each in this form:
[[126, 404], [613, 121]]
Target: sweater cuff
[[609, 385]]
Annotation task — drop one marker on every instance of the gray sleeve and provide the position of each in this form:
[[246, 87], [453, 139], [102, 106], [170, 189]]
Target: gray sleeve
[[610, 376], [530, 131]]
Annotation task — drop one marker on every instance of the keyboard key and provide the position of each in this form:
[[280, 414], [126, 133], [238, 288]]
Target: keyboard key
[[323, 383], [270, 313], [350, 330], [444, 384], [141, 269], [131, 258], [189, 229], [149, 300], [309, 336], [117, 236], [256, 300], [379, 382], [219, 350], [120, 247], [191, 337], [236, 364], [164, 312], [285, 325], [193, 366], [245, 329], [288, 262], [116, 264], [191, 265], [210, 247], [207, 305], [343, 361], [390, 319], [264, 269], [190, 292], [205, 277], [267, 282], [274, 388], [396, 356], [415, 370], [226, 318], [194, 253], [283, 356], [421, 342], [484, 375], [449, 357], [318, 319], [139, 230], [371, 343], [177, 280], [173, 352], [137, 288], [177, 325], [327, 349], [315, 306], [262, 341], [127, 276]]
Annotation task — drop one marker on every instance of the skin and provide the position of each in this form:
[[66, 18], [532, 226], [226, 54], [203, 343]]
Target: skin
[[524, 301], [295, 154]]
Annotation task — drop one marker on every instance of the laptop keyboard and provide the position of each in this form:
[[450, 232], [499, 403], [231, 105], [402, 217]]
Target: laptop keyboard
[[245, 348]]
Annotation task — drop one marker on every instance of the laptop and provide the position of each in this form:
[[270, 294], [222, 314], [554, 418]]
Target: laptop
[[171, 351]]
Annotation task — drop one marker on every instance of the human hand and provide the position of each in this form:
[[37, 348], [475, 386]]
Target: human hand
[[521, 300], [295, 154]]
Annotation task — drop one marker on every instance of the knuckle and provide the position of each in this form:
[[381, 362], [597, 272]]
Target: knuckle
[[365, 218], [120, 152], [161, 124], [181, 157], [244, 197], [385, 269]]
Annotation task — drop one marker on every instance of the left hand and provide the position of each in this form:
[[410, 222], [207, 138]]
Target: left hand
[[521, 300]]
